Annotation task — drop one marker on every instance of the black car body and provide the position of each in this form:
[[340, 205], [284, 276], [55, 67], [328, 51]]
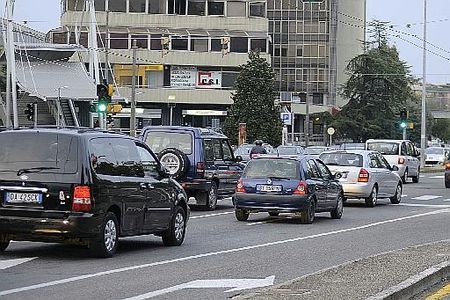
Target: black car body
[[202, 160], [84, 185]]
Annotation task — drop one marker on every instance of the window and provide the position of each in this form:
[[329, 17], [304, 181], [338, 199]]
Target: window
[[148, 161], [324, 171], [236, 9], [342, 159], [137, 6], [229, 79], [374, 162], [384, 163], [239, 45], [404, 150], [159, 140], [196, 7], [75, 5], [155, 42], [299, 50], [99, 5], [258, 45], [156, 6], [257, 9], [227, 152], [313, 171], [127, 157], [177, 7], [199, 44], [317, 99], [216, 8], [179, 43], [60, 37], [216, 46], [384, 148], [118, 41], [116, 5], [141, 40], [213, 150], [264, 168], [102, 156]]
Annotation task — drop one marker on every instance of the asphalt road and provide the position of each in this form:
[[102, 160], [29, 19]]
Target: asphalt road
[[219, 247]]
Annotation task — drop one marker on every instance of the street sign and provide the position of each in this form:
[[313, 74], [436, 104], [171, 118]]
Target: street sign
[[331, 131], [286, 118]]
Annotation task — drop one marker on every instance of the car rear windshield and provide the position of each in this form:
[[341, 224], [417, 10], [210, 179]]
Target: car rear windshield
[[243, 149], [314, 151], [267, 168], [287, 150], [159, 140], [25, 150], [342, 159], [438, 151], [385, 148]]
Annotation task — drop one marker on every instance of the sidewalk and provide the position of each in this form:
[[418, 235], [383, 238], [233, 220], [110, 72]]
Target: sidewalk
[[359, 279]]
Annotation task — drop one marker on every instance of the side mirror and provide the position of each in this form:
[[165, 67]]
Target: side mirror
[[238, 158], [394, 168]]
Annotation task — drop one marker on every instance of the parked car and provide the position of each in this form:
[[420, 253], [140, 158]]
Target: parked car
[[286, 185], [352, 146], [400, 153], [447, 172], [66, 185], [200, 159], [315, 151], [365, 174], [244, 151], [289, 150], [436, 155]]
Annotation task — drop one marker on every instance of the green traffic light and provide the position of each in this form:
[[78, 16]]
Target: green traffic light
[[102, 107], [403, 124]]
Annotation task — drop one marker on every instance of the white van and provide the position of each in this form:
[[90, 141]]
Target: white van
[[401, 153]]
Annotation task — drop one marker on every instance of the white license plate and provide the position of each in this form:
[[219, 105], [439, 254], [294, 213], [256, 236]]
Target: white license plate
[[23, 198], [269, 188]]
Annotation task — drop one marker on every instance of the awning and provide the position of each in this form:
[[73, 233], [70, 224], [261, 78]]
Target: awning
[[44, 79], [204, 112]]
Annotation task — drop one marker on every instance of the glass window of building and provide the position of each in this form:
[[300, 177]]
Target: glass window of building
[[258, 9], [258, 45], [141, 40], [236, 9], [137, 6], [229, 78], [199, 44], [317, 99], [216, 46], [179, 43], [323, 27], [155, 42], [75, 5], [284, 51], [117, 5], [177, 7], [196, 7], [216, 8], [59, 37], [322, 51], [101, 40], [99, 5], [299, 50], [156, 6], [239, 45], [118, 40]]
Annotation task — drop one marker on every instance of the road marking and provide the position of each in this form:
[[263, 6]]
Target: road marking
[[447, 200], [9, 263], [257, 223], [426, 197], [235, 284], [441, 294], [424, 205], [212, 215], [404, 196], [216, 253], [437, 177]]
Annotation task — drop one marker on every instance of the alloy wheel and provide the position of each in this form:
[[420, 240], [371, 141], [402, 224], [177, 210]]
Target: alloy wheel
[[110, 235], [179, 226]]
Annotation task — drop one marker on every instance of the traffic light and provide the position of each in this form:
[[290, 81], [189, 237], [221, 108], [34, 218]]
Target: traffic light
[[104, 98], [403, 118], [30, 112]]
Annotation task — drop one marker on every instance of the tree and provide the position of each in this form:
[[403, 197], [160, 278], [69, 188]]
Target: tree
[[254, 103], [379, 86], [441, 128]]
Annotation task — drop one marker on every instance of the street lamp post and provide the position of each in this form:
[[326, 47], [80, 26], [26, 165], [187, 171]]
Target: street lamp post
[[423, 137], [58, 105]]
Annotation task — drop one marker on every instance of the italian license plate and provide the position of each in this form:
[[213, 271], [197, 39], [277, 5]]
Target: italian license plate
[[269, 188], [23, 198]]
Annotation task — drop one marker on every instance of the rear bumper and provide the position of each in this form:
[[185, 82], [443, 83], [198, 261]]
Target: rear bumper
[[270, 203], [80, 226], [447, 176], [357, 189], [196, 185]]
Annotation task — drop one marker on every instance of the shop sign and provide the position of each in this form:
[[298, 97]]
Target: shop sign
[[183, 77], [209, 79]]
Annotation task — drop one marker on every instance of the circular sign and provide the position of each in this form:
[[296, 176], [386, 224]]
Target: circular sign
[[331, 130]]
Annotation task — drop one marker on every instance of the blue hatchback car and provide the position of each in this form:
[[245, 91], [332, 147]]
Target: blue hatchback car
[[302, 185]]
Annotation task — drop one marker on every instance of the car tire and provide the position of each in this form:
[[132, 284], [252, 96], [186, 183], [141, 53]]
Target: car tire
[[338, 211], [175, 161], [4, 242], [211, 196], [415, 179], [106, 244], [405, 176], [372, 200], [241, 215], [308, 215], [397, 198], [274, 214], [174, 236]]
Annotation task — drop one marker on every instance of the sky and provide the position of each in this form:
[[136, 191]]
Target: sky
[[44, 15]]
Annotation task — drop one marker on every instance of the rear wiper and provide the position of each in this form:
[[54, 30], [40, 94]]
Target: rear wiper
[[333, 164], [279, 178], [35, 170]]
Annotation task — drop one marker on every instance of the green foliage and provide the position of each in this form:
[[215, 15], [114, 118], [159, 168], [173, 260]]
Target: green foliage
[[254, 103], [379, 86], [441, 128]]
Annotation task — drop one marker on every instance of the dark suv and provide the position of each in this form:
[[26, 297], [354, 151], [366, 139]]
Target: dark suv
[[85, 186], [201, 159]]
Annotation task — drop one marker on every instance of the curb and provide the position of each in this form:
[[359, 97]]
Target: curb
[[432, 170], [415, 284]]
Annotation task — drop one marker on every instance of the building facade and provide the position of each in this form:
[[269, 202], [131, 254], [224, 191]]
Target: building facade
[[188, 56]]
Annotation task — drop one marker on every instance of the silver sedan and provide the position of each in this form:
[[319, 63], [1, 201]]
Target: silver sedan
[[365, 174]]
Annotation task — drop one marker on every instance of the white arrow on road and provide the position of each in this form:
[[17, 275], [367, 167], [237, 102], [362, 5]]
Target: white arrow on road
[[234, 284], [9, 263]]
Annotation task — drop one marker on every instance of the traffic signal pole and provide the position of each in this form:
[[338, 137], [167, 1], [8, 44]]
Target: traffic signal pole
[[133, 93], [423, 127], [35, 117]]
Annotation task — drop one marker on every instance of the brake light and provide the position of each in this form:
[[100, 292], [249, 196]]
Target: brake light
[[81, 199], [363, 176], [301, 188], [200, 168], [401, 160], [240, 186]]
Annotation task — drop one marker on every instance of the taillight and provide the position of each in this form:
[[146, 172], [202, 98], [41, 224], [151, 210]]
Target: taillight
[[200, 168], [401, 160], [363, 176], [81, 199], [301, 188], [240, 186]]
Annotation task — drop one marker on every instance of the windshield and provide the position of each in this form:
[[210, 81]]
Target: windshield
[[43, 151], [385, 148], [243, 149], [287, 150], [438, 151], [267, 168], [352, 146], [158, 141], [342, 159], [314, 151]]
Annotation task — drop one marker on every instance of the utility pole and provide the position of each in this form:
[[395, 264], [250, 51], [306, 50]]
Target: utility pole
[[12, 61], [307, 113], [423, 127], [133, 93], [35, 117], [107, 46]]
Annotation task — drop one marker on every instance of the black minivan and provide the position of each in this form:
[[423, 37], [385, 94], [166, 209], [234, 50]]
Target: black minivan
[[85, 186]]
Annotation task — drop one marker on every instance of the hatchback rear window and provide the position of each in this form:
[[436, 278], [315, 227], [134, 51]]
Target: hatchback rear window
[[384, 148], [24, 150], [158, 141], [342, 159], [266, 168]]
